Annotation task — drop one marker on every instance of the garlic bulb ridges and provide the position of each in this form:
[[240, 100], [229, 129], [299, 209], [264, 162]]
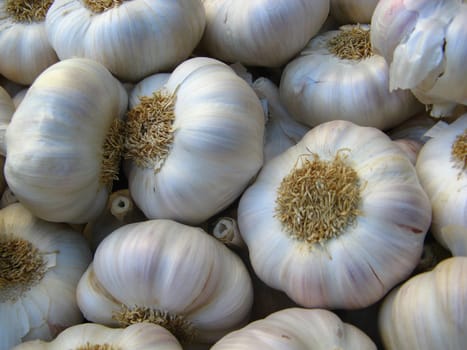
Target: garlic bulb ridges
[[328, 205], [149, 133], [28, 10]]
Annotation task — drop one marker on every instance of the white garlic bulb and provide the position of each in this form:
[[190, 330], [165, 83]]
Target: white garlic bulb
[[352, 11], [63, 141], [26, 51], [133, 39], [442, 170], [261, 33], [424, 43], [92, 336], [167, 273], [297, 329], [7, 108], [282, 131], [428, 311], [193, 145], [337, 76], [40, 265], [336, 220]]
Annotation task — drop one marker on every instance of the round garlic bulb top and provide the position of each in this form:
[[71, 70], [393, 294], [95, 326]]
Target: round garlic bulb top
[[193, 142], [167, 273], [258, 32], [336, 220], [132, 39]]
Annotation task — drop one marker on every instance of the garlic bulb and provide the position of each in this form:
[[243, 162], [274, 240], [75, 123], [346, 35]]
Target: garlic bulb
[[424, 43], [91, 336], [336, 220], [40, 265], [7, 108], [133, 39], [258, 32], [282, 131], [442, 170], [337, 76], [352, 11], [170, 274], [120, 210], [410, 147], [193, 144], [63, 141], [297, 329], [428, 311], [26, 51]]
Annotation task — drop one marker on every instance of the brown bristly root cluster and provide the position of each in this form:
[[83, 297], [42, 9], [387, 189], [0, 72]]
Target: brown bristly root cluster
[[89, 346], [27, 11], [99, 6], [353, 44], [181, 328], [112, 153], [318, 199], [459, 151]]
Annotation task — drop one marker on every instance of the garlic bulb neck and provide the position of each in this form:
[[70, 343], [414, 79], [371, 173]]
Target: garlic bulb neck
[[121, 205], [352, 44], [21, 267], [149, 130], [177, 325], [99, 6], [112, 152], [89, 346], [459, 150], [318, 200], [28, 11]]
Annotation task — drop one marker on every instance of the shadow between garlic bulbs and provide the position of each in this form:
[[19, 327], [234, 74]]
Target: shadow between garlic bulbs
[[338, 219]]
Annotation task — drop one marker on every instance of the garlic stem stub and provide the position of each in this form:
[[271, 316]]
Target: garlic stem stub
[[337, 76], [192, 143], [40, 266], [132, 39], [323, 219], [26, 51], [180, 277], [65, 141]]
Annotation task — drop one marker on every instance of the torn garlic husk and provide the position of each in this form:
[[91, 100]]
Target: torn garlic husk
[[26, 51], [132, 39], [167, 273], [260, 33], [427, 312], [282, 131], [92, 336], [442, 170], [323, 219], [193, 142], [40, 266], [64, 141], [339, 77], [425, 45], [297, 329]]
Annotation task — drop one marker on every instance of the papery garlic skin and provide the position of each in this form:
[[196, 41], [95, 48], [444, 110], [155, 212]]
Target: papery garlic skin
[[49, 305], [424, 43], [428, 311], [140, 336], [174, 268], [260, 33], [297, 329], [319, 86], [26, 51], [7, 108], [444, 178], [55, 141], [133, 39], [368, 256], [217, 146], [352, 11]]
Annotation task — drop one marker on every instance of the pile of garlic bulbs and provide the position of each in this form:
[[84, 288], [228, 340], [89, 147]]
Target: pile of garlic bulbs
[[227, 174]]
